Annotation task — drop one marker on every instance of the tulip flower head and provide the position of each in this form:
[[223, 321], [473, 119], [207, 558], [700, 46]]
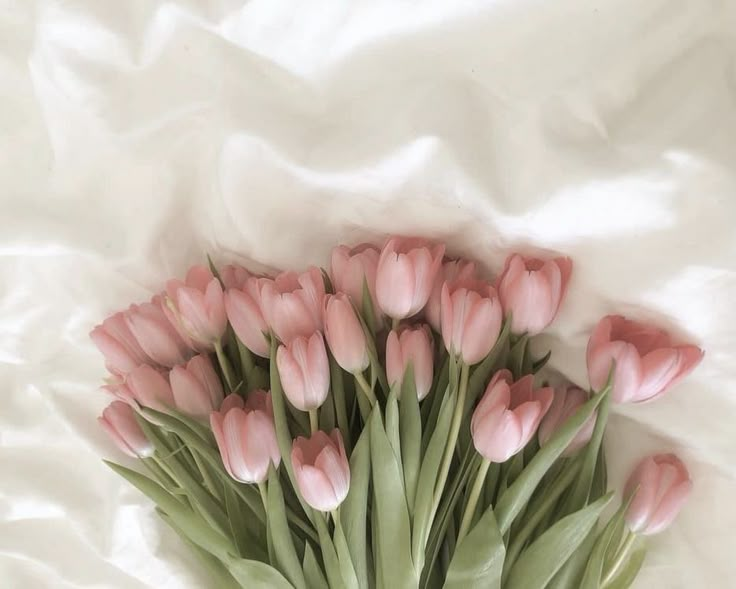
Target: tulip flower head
[[305, 371], [345, 334], [321, 469], [452, 272], [411, 346], [118, 420], [244, 310], [196, 387], [647, 363], [351, 268], [565, 404], [508, 416], [661, 485], [246, 436]]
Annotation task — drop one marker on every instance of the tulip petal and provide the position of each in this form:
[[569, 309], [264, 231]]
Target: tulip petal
[[395, 285], [668, 508], [316, 489]]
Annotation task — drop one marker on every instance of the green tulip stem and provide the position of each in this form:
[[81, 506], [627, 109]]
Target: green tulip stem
[[395, 323], [621, 556], [480, 478], [360, 379], [313, 420], [227, 369]]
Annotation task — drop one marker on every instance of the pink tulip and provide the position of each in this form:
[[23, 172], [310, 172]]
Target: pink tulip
[[243, 306], [121, 349], [471, 320], [565, 404], [647, 363], [532, 290], [345, 334], [146, 386], [292, 303], [406, 272], [198, 306], [196, 387], [234, 276], [305, 371], [508, 415], [661, 485], [119, 422], [156, 335], [453, 272], [321, 469], [351, 268], [411, 345], [246, 436]]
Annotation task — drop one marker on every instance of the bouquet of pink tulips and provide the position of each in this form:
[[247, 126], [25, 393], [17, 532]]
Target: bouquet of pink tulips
[[386, 425]]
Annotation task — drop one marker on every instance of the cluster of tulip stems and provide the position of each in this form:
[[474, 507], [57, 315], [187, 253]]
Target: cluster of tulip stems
[[385, 424]]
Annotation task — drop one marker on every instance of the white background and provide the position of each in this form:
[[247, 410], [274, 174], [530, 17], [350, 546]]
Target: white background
[[136, 135]]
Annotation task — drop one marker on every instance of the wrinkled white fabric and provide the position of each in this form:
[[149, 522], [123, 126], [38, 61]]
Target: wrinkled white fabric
[[136, 135]]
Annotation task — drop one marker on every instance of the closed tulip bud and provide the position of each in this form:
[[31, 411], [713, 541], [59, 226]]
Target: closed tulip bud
[[471, 320], [198, 306], [565, 404], [647, 363], [453, 272], [345, 334], [321, 469], [196, 387], [406, 272], [118, 420], [234, 276], [121, 349], [410, 346], [508, 416], [531, 290], [246, 436], [292, 303], [350, 269], [156, 335], [661, 485], [305, 371], [243, 306], [148, 387]]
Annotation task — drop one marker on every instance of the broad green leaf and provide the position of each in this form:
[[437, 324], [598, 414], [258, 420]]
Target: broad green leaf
[[600, 476], [394, 561], [252, 574], [627, 574], [312, 571], [519, 351], [337, 383], [435, 398], [327, 421], [392, 427], [478, 559], [349, 576], [594, 570], [428, 478], [354, 510], [329, 554], [238, 524], [581, 491], [518, 494], [410, 426], [539, 563], [568, 577], [216, 571], [367, 307], [283, 544], [192, 525]]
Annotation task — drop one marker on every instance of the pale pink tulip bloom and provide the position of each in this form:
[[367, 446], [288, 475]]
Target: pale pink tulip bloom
[[471, 320], [566, 402], [243, 306], [234, 276], [118, 420], [345, 334], [155, 334], [198, 306], [305, 371], [351, 268], [406, 272], [647, 363], [145, 386], [532, 289], [196, 387], [452, 272], [121, 349], [292, 303], [661, 485], [246, 436], [321, 469], [411, 346], [508, 416]]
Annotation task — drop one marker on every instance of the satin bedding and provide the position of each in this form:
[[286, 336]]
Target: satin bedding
[[135, 136]]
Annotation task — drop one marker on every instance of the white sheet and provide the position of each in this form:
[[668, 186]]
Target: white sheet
[[135, 135]]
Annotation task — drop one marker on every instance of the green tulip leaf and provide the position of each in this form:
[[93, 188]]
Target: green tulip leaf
[[410, 429], [312, 572], [252, 574], [354, 510]]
